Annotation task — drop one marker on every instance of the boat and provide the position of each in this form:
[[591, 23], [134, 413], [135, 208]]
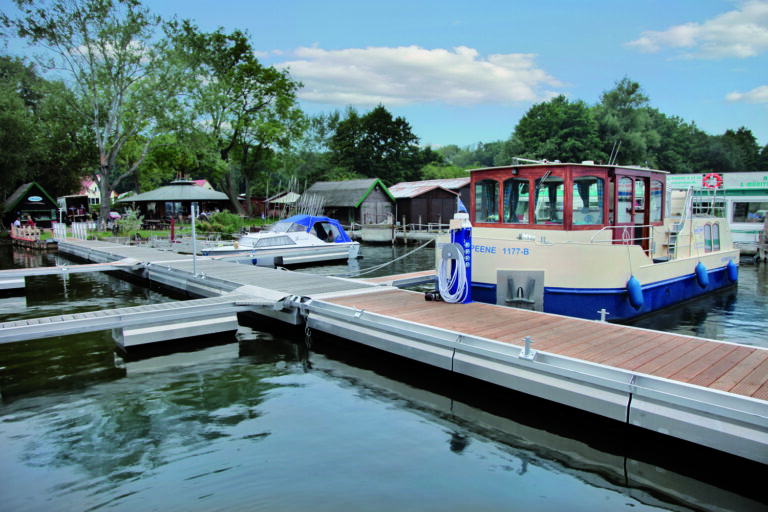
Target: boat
[[600, 242], [739, 197], [297, 240]]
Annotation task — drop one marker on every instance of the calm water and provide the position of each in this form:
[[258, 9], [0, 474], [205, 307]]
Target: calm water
[[259, 421]]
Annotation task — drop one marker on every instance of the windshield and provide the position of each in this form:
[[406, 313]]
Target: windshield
[[285, 227]]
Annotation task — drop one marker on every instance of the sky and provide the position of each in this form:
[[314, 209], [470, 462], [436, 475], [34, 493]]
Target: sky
[[465, 72]]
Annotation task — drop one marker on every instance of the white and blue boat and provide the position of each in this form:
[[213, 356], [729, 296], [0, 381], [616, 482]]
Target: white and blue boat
[[297, 240], [591, 241]]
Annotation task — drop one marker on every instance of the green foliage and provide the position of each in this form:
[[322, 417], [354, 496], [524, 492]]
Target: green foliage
[[435, 171], [124, 79], [248, 110], [558, 130], [221, 222], [623, 118], [377, 145], [130, 222]]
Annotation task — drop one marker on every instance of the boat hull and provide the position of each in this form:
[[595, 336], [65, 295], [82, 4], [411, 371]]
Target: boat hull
[[588, 303]]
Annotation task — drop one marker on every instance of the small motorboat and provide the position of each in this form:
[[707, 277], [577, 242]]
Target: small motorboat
[[297, 240]]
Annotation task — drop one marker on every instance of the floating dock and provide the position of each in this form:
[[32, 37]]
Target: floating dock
[[707, 392]]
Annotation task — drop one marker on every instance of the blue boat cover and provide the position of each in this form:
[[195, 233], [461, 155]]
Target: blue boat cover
[[310, 220]]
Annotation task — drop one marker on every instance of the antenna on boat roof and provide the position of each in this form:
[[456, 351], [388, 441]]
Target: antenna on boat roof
[[517, 159], [614, 156]]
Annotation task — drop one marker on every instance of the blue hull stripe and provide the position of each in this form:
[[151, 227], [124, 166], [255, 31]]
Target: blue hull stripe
[[587, 302]]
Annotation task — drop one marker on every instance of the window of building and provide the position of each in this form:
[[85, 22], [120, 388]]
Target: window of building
[[516, 201], [486, 201], [587, 200], [749, 211]]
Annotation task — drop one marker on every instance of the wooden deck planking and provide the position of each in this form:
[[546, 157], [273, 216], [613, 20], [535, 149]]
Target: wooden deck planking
[[753, 381], [732, 377], [728, 367], [721, 367]]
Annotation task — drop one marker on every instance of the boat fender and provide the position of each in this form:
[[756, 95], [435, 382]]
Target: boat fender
[[635, 292], [702, 276], [733, 271], [237, 245]]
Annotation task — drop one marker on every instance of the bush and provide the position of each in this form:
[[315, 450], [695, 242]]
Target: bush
[[221, 222], [131, 221]]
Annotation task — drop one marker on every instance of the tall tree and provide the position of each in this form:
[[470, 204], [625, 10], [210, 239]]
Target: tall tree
[[557, 130], [42, 138], [124, 80], [377, 145], [238, 100], [746, 141], [625, 124]]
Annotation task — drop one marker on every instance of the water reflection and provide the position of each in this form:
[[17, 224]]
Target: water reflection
[[263, 422]]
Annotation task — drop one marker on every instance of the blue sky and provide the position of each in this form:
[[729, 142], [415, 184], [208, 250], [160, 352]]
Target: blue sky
[[466, 72]]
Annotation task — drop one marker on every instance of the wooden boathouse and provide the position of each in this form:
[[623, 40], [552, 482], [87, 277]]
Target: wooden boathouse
[[706, 392]]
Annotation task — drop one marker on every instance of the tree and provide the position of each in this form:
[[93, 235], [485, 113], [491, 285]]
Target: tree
[[124, 82], [42, 138], [377, 145], [557, 130], [623, 118], [747, 143], [239, 102]]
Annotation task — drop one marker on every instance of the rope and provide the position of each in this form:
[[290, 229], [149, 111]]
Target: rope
[[377, 267]]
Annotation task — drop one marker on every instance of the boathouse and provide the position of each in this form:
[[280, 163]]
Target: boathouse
[[174, 200], [429, 201], [30, 199], [365, 201]]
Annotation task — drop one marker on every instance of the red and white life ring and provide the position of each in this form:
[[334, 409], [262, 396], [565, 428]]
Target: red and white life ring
[[713, 180]]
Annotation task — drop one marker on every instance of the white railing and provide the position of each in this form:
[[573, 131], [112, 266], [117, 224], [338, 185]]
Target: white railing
[[59, 230]]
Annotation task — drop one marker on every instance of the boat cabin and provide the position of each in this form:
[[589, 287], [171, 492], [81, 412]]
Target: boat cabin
[[570, 197]]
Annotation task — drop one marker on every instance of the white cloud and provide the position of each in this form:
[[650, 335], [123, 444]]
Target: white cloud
[[756, 95], [410, 74], [739, 33]]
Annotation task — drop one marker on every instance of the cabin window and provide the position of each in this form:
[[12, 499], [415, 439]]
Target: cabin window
[[624, 207], [274, 241], [639, 202], [516, 201], [716, 236], [549, 200], [707, 238], [486, 201], [657, 193], [749, 212], [587, 200]]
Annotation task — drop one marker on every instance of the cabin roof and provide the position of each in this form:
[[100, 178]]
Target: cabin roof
[[19, 193], [410, 189], [572, 164], [182, 190], [350, 193]]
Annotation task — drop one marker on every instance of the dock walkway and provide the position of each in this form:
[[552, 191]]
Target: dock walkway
[[704, 391]]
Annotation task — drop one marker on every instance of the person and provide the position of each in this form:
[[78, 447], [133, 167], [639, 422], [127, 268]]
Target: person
[[330, 238], [30, 222], [17, 222]]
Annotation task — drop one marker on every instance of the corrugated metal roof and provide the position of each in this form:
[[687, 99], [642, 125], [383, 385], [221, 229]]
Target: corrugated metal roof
[[348, 193], [178, 191], [409, 189]]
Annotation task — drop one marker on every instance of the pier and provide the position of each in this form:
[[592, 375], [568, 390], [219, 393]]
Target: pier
[[707, 392]]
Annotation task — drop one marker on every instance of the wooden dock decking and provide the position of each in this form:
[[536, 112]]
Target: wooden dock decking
[[724, 366], [704, 391]]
